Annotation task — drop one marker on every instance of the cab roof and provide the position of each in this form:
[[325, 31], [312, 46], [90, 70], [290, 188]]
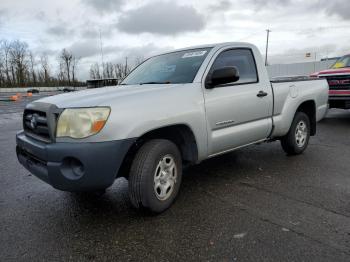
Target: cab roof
[[216, 46]]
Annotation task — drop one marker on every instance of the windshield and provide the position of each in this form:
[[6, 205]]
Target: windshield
[[342, 62], [172, 68]]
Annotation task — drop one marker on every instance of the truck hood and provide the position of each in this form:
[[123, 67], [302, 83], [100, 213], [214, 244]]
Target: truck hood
[[339, 71], [102, 96]]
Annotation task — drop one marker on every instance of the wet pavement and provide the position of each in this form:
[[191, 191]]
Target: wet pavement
[[255, 204], [10, 107]]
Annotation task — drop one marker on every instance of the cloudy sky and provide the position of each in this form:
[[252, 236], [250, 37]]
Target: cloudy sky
[[140, 28]]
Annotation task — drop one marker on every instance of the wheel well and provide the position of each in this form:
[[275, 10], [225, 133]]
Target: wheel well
[[309, 108], [181, 135]]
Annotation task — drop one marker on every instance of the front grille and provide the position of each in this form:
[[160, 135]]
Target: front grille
[[35, 123], [339, 82]]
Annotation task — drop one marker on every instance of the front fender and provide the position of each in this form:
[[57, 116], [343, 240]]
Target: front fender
[[136, 115]]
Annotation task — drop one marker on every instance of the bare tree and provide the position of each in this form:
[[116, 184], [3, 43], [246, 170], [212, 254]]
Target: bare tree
[[18, 56], [45, 68], [120, 70], [66, 58], [61, 72], [111, 70], [108, 70], [74, 65], [20, 67], [5, 50], [32, 67], [95, 71], [2, 71], [139, 60]]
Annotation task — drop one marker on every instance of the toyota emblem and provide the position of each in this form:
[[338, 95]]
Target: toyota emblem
[[33, 121]]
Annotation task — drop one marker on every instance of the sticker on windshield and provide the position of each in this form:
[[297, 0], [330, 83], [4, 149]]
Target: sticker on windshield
[[168, 69], [194, 54]]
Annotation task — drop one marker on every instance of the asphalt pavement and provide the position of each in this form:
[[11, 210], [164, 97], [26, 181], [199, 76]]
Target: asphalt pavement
[[255, 204]]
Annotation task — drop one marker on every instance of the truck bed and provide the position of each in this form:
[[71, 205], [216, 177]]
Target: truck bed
[[290, 92]]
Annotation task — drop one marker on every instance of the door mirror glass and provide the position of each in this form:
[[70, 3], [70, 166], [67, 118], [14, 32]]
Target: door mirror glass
[[223, 76]]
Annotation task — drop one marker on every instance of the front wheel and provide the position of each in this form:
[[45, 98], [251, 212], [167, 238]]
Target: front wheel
[[155, 176], [297, 139]]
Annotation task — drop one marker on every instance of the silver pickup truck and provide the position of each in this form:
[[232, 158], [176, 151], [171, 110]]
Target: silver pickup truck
[[174, 110]]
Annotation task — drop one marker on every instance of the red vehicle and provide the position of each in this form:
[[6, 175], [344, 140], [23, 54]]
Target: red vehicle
[[338, 77]]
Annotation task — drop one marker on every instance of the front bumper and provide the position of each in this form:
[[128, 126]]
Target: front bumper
[[73, 166], [339, 101]]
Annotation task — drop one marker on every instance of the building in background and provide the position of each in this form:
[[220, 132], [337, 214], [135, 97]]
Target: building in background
[[299, 69], [95, 83]]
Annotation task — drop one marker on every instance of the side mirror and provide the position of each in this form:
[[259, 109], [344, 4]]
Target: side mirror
[[222, 76]]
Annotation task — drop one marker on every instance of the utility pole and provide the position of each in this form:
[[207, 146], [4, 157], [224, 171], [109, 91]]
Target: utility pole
[[267, 45], [101, 46]]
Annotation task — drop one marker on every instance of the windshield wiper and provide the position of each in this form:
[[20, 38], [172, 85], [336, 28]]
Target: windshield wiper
[[154, 83]]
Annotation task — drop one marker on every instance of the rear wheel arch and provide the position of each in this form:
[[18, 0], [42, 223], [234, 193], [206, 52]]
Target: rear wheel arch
[[297, 138], [309, 108]]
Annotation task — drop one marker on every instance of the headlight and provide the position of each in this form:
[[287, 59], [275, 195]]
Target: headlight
[[82, 122]]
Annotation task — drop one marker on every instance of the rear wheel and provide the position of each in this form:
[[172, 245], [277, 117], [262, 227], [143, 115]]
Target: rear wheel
[[297, 139], [155, 176]]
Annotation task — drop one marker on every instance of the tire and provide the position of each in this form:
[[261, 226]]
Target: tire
[[296, 141], [155, 176]]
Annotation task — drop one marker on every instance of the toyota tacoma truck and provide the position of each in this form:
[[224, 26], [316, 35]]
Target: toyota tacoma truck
[[338, 77], [175, 109]]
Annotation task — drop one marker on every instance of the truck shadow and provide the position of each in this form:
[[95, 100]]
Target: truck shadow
[[227, 168]]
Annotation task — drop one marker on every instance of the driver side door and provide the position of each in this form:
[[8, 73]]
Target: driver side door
[[236, 114]]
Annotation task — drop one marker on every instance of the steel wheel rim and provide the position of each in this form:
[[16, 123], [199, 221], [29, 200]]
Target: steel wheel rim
[[301, 134], [165, 177]]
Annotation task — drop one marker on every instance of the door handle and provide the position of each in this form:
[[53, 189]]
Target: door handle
[[261, 94]]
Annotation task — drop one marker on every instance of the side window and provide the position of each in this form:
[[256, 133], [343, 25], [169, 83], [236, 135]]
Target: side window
[[243, 59]]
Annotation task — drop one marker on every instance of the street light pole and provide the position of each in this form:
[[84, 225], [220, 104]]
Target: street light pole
[[267, 45]]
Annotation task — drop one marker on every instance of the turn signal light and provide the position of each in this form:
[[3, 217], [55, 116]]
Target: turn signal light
[[97, 126]]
